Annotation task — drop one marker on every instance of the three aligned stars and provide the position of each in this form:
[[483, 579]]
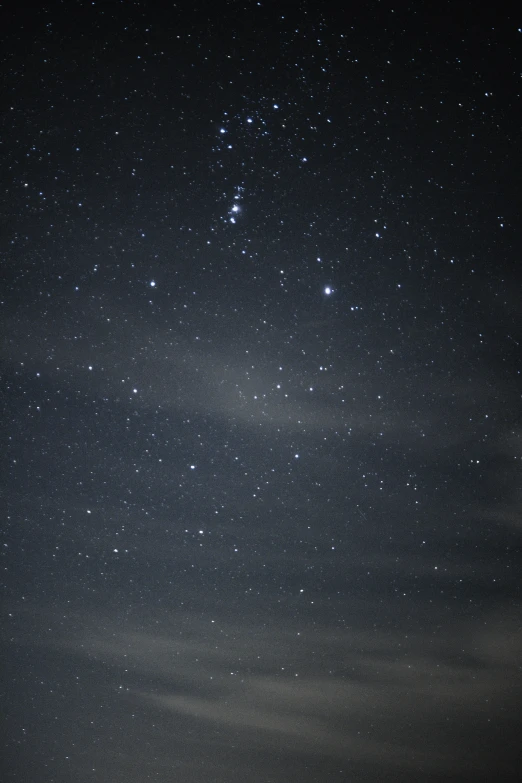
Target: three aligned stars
[[236, 207]]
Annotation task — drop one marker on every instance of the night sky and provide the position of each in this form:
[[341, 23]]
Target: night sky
[[261, 392]]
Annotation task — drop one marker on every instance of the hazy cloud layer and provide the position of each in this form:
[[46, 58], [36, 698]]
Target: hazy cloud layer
[[402, 702]]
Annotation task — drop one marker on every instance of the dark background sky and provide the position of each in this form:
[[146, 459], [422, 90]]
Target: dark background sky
[[261, 392]]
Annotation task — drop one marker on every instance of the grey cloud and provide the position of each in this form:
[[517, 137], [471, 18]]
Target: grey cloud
[[174, 373], [394, 702]]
